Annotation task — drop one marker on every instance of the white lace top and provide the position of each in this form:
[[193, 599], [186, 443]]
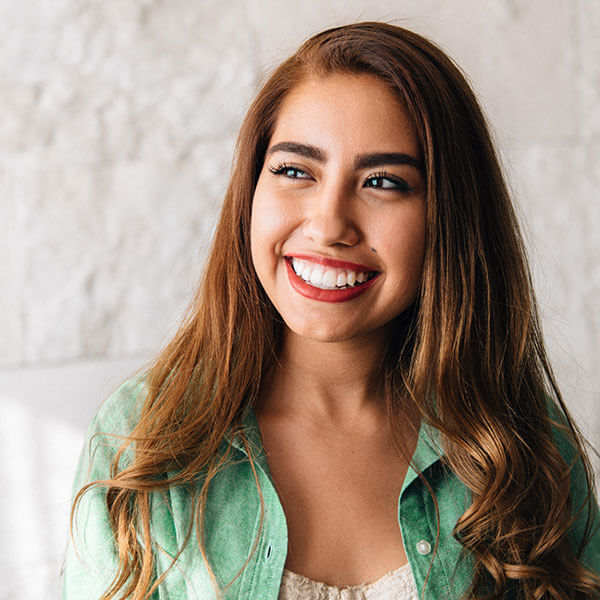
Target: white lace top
[[398, 584]]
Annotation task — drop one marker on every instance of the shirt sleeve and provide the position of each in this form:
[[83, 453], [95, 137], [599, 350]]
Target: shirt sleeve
[[91, 559]]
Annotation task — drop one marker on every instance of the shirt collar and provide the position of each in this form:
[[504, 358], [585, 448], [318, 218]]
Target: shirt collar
[[253, 440], [427, 452]]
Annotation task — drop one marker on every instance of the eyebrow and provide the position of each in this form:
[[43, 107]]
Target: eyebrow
[[362, 161], [377, 159], [305, 150]]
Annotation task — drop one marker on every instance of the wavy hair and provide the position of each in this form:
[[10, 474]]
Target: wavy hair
[[469, 354]]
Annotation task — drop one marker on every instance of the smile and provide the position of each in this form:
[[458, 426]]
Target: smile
[[328, 280]]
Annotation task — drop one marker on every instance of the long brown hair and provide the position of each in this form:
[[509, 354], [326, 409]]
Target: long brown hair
[[469, 355]]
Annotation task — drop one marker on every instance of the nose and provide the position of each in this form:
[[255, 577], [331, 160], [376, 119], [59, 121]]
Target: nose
[[329, 220]]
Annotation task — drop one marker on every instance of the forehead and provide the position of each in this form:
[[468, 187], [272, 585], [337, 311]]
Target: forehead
[[346, 110]]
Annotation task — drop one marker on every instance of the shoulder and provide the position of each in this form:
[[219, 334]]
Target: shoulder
[[585, 528], [108, 430], [120, 411], [92, 558], [565, 438], [561, 432]]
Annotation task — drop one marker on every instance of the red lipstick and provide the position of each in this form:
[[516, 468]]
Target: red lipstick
[[331, 262]]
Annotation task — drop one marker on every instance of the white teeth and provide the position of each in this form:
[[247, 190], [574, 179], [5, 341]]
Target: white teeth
[[327, 277], [316, 277]]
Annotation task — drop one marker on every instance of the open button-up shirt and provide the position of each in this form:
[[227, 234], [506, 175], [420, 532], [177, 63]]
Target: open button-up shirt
[[247, 548]]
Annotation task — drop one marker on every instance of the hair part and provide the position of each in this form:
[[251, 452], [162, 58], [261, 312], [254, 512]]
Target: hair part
[[468, 355]]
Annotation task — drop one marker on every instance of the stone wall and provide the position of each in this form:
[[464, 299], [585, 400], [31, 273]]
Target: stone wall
[[116, 134]]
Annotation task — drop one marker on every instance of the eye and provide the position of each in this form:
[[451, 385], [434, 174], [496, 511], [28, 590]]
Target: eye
[[289, 171], [384, 181]]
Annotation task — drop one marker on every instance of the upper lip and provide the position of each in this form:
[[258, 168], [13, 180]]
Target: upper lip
[[330, 262]]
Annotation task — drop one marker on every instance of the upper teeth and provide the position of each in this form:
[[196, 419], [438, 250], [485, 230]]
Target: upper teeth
[[325, 277]]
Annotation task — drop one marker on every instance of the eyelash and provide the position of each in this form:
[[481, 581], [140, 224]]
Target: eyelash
[[281, 170], [399, 184]]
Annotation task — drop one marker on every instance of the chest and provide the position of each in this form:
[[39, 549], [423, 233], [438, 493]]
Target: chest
[[248, 548], [340, 498]]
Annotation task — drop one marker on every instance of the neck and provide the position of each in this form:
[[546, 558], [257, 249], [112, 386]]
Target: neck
[[335, 381]]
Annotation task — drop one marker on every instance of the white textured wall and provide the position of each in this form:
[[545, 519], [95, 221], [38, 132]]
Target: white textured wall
[[117, 120]]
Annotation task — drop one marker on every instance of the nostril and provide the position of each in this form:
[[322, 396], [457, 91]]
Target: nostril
[[331, 230]]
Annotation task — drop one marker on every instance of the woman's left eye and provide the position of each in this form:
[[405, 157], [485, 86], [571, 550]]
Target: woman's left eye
[[386, 182]]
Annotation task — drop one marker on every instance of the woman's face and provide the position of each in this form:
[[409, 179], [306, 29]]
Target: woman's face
[[338, 216]]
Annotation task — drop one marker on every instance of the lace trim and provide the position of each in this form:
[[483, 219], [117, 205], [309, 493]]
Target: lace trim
[[398, 584]]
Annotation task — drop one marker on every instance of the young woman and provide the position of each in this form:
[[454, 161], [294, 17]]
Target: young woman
[[359, 404]]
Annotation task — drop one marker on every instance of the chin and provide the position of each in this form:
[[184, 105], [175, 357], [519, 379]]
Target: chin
[[325, 332], [320, 334]]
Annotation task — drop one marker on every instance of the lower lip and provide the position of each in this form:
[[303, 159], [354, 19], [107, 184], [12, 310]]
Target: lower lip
[[339, 295]]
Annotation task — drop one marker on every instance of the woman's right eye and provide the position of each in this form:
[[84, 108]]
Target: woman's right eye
[[289, 171]]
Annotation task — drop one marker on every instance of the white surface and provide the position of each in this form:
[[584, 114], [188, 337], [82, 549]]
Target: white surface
[[116, 130], [43, 416]]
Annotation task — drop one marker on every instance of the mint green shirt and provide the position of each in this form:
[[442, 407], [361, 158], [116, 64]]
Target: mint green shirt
[[233, 521]]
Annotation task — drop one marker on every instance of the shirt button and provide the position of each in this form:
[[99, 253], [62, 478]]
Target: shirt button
[[423, 547]]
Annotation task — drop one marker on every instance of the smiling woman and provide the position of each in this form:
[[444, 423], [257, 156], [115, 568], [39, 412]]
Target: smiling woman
[[359, 404]]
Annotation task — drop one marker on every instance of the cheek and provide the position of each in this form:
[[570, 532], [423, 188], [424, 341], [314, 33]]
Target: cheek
[[415, 250], [265, 233], [407, 250], [257, 236], [270, 224], [415, 241]]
